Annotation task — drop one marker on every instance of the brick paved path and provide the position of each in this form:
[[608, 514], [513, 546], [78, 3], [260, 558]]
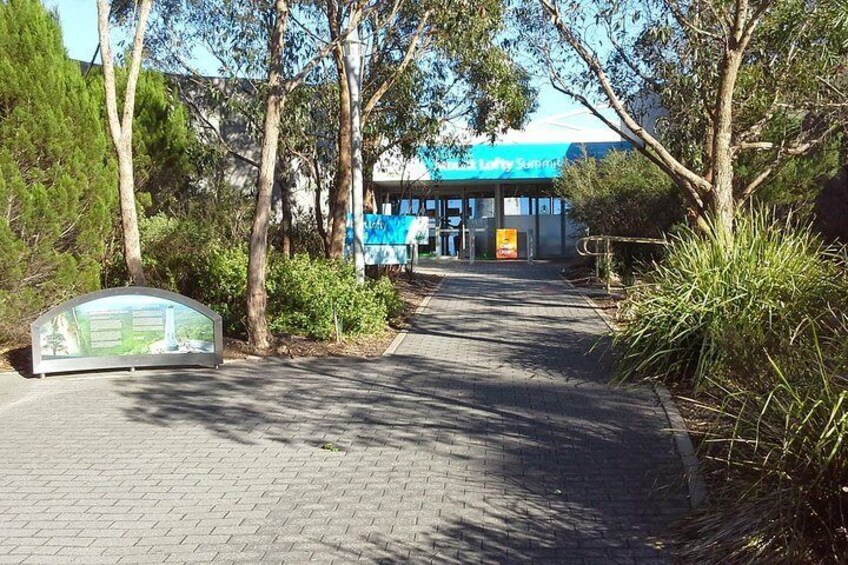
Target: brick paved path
[[489, 436]]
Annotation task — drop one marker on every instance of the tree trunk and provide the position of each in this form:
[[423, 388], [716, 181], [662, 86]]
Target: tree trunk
[[257, 294], [129, 215], [319, 212], [120, 129], [286, 225], [722, 203], [340, 194], [369, 202]]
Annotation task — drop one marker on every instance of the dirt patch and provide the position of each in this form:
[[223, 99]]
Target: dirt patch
[[581, 273], [413, 289]]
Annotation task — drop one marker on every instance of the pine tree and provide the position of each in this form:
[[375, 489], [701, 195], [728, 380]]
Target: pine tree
[[57, 178]]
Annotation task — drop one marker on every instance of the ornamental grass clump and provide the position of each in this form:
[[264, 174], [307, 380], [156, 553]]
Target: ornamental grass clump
[[778, 464], [719, 304]]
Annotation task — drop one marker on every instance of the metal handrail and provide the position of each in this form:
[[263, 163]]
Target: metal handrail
[[604, 249]]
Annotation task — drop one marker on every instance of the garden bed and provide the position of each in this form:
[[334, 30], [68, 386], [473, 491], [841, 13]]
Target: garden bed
[[413, 290]]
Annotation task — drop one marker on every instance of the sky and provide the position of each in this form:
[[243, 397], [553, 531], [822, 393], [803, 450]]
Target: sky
[[79, 29]]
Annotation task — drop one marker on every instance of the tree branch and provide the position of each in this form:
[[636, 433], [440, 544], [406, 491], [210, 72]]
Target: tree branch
[[135, 64], [208, 125], [590, 59], [557, 83], [108, 70], [684, 22], [411, 51], [782, 156]]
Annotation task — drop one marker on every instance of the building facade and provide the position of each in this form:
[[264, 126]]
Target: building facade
[[507, 184]]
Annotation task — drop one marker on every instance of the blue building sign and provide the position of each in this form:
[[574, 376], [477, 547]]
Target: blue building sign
[[387, 237], [525, 161]]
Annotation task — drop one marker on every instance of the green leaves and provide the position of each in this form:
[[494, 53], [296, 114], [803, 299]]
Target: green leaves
[[57, 185], [621, 194], [315, 297]]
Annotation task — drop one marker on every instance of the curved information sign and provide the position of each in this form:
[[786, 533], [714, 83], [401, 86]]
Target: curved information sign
[[126, 328]]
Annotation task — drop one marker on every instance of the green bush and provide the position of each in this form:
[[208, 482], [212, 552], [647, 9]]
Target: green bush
[[320, 298], [718, 303], [186, 256], [781, 481], [57, 181], [385, 291], [622, 194], [305, 296]]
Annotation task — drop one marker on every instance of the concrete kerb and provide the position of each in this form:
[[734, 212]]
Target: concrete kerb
[[695, 484], [393, 346]]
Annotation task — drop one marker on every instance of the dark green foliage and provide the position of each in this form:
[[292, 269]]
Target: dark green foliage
[[166, 151], [622, 194], [305, 296], [831, 209], [165, 148], [797, 185], [718, 304], [321, 298], [57, 185]]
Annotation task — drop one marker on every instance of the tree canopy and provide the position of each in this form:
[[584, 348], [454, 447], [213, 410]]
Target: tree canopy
[[741, 87], [56, 180]]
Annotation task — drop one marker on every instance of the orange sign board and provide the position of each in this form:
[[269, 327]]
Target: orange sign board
[[506, 244]]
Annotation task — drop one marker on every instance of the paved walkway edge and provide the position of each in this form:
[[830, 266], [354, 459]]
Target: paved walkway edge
[[695, 484], [393, 346], [691, 469]]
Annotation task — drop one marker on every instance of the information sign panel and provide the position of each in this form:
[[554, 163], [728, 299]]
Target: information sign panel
[[126, 328], [387, 237]]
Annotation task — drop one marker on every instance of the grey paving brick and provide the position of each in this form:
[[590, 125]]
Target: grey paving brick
[[490, 435]]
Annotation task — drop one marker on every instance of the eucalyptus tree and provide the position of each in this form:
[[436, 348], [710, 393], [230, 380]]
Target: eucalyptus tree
[[121, 121], [742, 86], [269, 48], [427, 63]]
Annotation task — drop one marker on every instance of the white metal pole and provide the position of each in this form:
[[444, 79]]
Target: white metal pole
[[353, 64]]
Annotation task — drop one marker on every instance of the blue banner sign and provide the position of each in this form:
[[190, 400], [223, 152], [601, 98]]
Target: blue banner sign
[[387, 237], [381, 229], [525, 161]]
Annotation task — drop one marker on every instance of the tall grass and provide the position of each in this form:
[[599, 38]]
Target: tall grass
[[719, 303], [782, 465], [755, 324]]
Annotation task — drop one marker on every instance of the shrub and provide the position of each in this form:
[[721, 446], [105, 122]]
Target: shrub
[[718, 303], [385, 291], [782, 477], [186, 256], [221, 284], [318, 298], [305, 296], [622, 194]]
